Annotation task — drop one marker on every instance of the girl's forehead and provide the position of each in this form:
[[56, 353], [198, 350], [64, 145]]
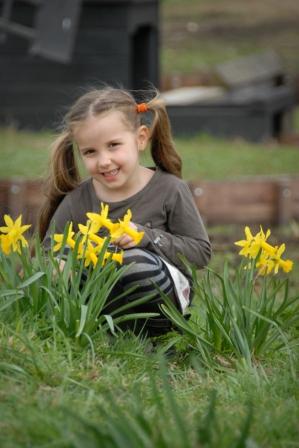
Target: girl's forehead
[[103, 124]]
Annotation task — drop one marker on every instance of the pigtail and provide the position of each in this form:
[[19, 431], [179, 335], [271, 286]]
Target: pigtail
[[163, 150], [64, 177]]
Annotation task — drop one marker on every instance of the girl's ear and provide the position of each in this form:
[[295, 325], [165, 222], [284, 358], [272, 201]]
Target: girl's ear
[[143, 136]]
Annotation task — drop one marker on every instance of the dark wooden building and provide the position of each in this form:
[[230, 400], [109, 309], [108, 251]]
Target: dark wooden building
[[111, 41]]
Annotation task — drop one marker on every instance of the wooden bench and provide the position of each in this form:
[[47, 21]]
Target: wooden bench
[[257, 102], [256, 70]]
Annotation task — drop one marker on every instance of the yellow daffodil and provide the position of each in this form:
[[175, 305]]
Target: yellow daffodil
[[272, 263], [264, 264], [13, 238], [269, 257], [88, 233], [246, 244], [117, 256], [5, 244], [285, 265], [101, 219], [125, 227], [91, 244], [89, 252], [59, 238], [253, 244], [89, 228]]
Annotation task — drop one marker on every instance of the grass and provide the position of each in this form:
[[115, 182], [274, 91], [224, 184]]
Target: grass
[[136, 392], [51, 394], [133, 392], [25, 154], [210, 158], [54, 393]]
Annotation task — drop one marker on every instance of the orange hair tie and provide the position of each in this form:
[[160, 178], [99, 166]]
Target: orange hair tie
[[142, 107]]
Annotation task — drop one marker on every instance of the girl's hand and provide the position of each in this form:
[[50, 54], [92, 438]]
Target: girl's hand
[[126, 241]]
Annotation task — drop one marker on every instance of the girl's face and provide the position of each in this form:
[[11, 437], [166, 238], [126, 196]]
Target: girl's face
[[110, 152]]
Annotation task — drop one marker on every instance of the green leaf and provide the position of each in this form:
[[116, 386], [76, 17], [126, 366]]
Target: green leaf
[[11, 292], [11, 302], [31, 280], [110, 323], [83, 315], [12, 368]]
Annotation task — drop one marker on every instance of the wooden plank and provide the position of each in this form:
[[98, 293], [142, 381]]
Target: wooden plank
[[294, 185], [247, 201], [4, 186], [284, 201], [19, 196]]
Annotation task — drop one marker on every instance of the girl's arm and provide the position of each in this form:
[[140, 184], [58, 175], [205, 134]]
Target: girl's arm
[[169, 246], [185, 235]]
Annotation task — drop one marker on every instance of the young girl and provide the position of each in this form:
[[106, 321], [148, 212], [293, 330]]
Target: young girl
[[108, 130]]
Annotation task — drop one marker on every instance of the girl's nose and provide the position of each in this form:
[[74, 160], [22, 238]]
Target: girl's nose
[[103, 161]]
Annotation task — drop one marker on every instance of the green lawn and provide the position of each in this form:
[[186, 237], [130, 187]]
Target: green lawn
[[54, 395], [26, 155], [211, 158], [120, 393]]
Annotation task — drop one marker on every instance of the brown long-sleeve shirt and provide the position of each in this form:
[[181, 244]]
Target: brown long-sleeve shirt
[[164, 209]]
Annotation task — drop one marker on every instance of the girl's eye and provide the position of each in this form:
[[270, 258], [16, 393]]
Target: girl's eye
[[88, 152], [114, 145]]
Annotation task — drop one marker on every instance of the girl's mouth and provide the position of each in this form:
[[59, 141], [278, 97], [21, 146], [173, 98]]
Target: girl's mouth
[[111, 174]]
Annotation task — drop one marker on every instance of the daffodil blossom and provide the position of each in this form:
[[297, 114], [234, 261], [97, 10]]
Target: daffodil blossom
[[116, 230], [253, 244], [117, 256], [125, 227], [91, 227], [247, 245], [268, 257], [88, 233], [265, 264], [13, 237], [5, 244], [59, 238], [91, 244], [101, 219], [90, 254], [285, 265]]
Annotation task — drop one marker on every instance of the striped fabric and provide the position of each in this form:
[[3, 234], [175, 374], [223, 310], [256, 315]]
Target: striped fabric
[[146, 270]]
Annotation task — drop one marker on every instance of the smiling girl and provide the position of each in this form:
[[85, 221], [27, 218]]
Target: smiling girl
[[108, 130]]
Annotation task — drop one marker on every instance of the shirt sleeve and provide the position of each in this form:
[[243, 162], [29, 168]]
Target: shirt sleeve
[[185, 235]]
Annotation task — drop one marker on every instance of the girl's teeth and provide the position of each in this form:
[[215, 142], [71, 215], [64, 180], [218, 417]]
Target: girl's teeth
[[111, 173]]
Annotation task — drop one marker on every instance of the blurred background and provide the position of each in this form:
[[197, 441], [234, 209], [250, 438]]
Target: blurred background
[[227, 69], [199, 34]]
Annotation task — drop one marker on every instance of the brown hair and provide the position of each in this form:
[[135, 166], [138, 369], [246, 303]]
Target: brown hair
[[64, 175]]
